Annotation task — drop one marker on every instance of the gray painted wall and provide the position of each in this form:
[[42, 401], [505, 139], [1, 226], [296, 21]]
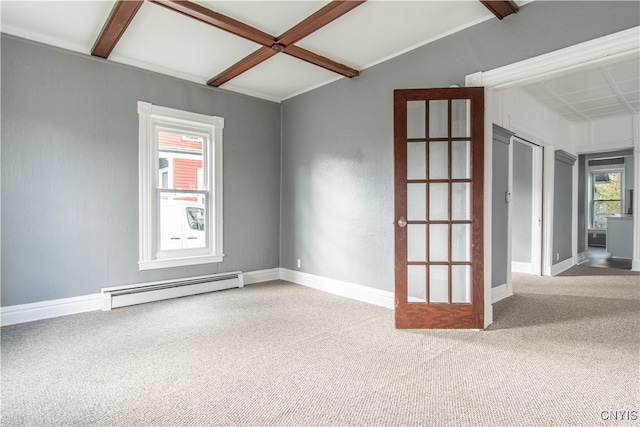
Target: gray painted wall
[[337, 147], [499, 206], [562, 206], [70, 173], [522, 202]]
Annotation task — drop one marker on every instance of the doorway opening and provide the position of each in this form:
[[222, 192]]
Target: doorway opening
[[526, 206]]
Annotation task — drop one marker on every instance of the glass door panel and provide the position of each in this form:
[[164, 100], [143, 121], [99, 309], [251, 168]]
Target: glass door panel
[[416, 119], [460, 118], [438, 118], [439, 283], [416, 202], [460, 160], [416, 160], [460, 201], [416, 283], [438, 242], [460, 284], [438, 160], [416, 242], [438, 202]]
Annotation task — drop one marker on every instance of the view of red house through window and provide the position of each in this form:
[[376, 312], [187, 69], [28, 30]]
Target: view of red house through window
[[180, 162], [181, 191]]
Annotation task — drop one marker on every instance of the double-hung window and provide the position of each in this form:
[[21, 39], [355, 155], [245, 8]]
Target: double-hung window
[[180, 187], [606, 196]]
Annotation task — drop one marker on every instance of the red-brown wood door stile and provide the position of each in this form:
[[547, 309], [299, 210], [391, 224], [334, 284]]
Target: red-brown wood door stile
[[438, 156]]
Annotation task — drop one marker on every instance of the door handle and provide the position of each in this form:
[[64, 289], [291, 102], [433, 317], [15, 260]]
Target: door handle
[[174, 238], [191, 237], [402, 222]]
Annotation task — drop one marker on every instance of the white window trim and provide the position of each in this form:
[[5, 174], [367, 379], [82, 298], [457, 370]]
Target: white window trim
[[152, 116]]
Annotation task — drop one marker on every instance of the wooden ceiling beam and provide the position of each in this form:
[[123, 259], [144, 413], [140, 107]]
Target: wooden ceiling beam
[[319, 19], [501, 9], [270, 45], [121, 16], [320, 61], [218, 20], [241, 66]]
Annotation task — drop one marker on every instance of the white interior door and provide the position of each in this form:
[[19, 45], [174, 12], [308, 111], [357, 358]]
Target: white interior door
[[526, 207]]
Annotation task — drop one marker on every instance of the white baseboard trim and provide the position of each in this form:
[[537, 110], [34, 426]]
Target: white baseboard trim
[[562, 266], [521, 267], [501, 292], [22, 313], [581, 258], [261, 276], [345, 289]]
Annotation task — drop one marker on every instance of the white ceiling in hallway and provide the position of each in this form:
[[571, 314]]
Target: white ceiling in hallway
[[607, 90]]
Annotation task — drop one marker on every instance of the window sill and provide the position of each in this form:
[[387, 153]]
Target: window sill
[[178, 262]]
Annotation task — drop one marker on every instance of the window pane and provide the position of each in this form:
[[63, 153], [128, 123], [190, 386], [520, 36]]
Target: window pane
[[180, 161], [182, 220], [606, 198], [606, 186]]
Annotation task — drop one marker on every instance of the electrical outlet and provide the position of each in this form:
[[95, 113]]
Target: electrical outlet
[[558, 256], [299, 263]]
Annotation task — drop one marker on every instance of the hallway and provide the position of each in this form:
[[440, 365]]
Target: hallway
[[599, 257]]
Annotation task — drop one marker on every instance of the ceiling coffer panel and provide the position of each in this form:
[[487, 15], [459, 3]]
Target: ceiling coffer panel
[[270, 45]]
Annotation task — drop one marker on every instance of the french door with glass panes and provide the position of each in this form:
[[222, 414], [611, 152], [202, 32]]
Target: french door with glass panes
[[438, 156]]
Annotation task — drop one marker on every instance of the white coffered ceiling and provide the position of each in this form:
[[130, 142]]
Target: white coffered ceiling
[[167, 42], [592, 93], [161, 40]]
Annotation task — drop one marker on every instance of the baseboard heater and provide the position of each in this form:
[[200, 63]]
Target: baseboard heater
[[121, 296]]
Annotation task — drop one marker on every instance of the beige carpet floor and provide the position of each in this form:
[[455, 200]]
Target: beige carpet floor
[[562, 351]]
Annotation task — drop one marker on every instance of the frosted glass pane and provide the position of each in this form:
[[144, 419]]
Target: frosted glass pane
[[460, 160], [416, 119], [438, 202], [416, 160], [461, 283], [438, 283], [460, 118], [438, 242], [438, 160], [438, 119], [416, 283], [460, 242], [416, 242], [460, 196], [416, 202]]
